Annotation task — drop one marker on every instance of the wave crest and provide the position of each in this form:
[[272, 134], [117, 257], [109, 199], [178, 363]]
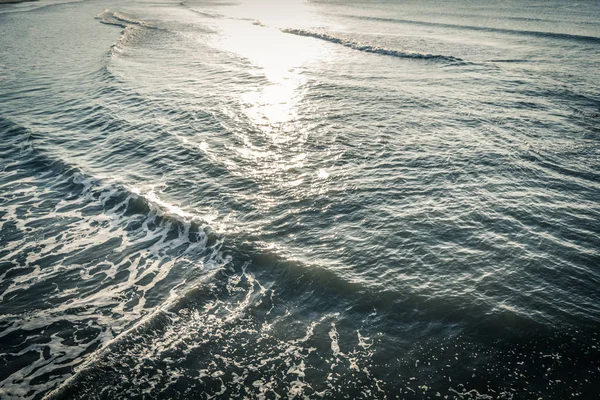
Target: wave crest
[[522, 32], [109, 254], [371, 49], [110, 17]]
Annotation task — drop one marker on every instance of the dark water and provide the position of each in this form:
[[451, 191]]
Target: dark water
[[300, 200]]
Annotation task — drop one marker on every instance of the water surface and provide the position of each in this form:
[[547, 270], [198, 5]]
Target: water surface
[[311, 199]]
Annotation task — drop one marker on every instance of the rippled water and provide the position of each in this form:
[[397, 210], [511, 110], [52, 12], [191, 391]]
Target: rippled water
[[300, 199]]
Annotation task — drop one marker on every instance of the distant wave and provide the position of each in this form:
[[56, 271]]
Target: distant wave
[[115, 18], [372, 49], [213, 15], [540, 34], [509, 61], [31, 5], [131, 27], [203, 13]]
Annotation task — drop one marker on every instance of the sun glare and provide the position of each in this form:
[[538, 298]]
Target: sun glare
[[277, 56]]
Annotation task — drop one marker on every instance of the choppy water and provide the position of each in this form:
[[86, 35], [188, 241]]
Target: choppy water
[[304, 199]]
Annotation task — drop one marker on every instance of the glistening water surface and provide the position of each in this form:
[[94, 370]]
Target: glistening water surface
[[300, 199]]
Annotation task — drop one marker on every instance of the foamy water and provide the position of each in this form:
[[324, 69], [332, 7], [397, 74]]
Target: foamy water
[[304, 199]]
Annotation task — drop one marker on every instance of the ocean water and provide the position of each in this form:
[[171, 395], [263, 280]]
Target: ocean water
[[300, 199]]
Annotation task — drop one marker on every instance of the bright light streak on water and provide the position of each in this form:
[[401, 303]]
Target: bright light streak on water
[[300, 199]]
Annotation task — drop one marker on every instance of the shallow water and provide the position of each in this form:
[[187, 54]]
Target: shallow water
[[309, 199]]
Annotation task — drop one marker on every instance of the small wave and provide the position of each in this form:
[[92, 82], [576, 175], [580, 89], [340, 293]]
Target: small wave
[[205, 14], [31, 5], [372, 49], [214, 15], [509, 61], [22, 152], [131, 28], [540, 34], [115, 18]]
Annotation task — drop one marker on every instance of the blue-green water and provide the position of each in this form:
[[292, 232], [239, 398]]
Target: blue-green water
[[304, 199]]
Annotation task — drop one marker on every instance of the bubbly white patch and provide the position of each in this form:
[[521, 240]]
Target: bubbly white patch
[[94, 255], [333, 335]]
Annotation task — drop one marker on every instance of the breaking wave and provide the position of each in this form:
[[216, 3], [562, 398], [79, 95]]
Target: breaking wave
[[371, 49], [115, 18], [75, 245]]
